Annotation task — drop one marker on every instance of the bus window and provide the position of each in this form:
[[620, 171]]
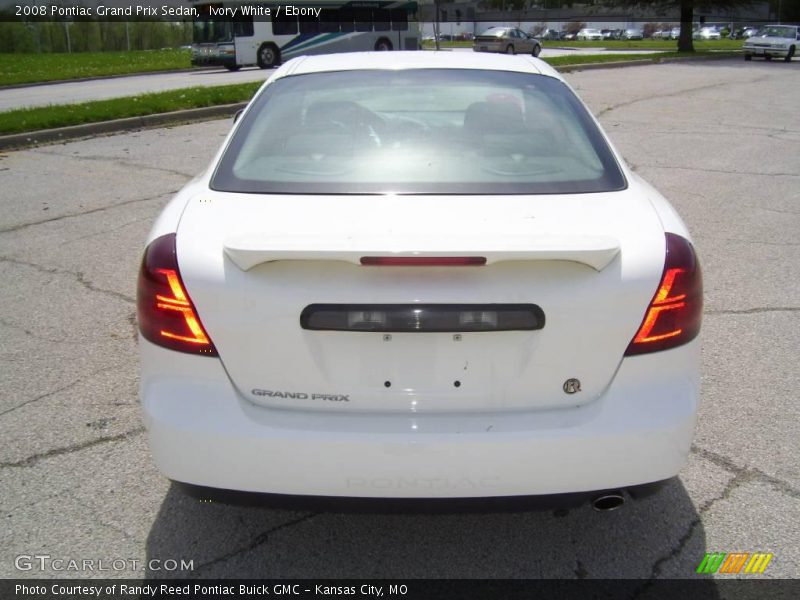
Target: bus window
[[380, 18], [346, 20], [363, 19], [328, 21], [284, 25], [243, 26], [399, 20], [309, 24]]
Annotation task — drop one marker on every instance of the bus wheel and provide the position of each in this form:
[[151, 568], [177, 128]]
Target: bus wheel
[[233, 67], [383, 45], [268, 56]]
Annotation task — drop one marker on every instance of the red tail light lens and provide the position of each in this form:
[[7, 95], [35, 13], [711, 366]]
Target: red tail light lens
[[676, 310], [166, 314]]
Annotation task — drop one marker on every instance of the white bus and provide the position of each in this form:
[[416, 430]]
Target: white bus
[[241, 33]]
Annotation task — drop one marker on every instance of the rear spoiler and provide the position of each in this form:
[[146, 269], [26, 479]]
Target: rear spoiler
[[249, 250]]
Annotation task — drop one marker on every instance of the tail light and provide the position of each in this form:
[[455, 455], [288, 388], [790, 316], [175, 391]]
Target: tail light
[[166, 314], [676, 310]]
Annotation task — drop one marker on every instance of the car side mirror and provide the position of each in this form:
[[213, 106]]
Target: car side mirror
[[237, 115]]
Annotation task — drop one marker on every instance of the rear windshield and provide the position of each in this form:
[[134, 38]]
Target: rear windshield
[[420, 131]]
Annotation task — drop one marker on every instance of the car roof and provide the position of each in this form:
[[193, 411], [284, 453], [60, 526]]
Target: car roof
[[420, 59]]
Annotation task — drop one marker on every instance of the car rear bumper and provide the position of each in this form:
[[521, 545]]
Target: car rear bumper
[[490, 46], [202, 432], [760, 51]]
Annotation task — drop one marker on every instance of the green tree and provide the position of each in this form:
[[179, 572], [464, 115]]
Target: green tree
[[687, 11]]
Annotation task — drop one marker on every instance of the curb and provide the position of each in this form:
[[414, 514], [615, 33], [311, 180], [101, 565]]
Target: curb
[[74, 132], [63, 134], [17, 86], [642, 61]]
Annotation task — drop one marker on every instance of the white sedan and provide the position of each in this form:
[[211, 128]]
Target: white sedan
[[419, 275], [589, 34], [779, 41]]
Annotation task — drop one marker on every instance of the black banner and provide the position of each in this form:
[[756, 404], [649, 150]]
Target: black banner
[[393, 589], [756, 11]]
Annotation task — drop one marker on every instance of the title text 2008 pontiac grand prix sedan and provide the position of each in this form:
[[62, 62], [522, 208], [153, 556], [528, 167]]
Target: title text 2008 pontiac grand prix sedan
[[417, 275]]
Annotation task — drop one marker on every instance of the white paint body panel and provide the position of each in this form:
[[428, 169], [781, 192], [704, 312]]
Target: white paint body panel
[[203, 432], [251, 263]]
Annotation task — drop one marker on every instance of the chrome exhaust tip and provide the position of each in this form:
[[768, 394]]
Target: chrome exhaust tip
[[608, 501]]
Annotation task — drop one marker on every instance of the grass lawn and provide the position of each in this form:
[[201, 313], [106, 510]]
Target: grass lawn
[[31, 68], [46, 117]]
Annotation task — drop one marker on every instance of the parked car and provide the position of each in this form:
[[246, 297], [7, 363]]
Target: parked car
[[778, 41], [608, 34], [508, 40], [633, 34], [568, 35], [675, 33], [706, 33], [550, 34], [589, 34], [400, 278], [662, 34], [745, 32]]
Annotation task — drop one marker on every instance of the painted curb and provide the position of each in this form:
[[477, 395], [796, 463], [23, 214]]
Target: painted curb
[[643, 61]]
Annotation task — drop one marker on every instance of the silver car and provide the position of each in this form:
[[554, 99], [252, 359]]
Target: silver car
[[586, 34], [633, 34], [507, 40], [780, 41]]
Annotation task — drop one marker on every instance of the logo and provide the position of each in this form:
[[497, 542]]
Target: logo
[[735, 562]]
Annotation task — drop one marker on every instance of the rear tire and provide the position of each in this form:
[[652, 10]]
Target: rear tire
[[536, 50], [509, 49], [383, 45], [767, 57], [233, 68], [748, 57], [788, 57], [268, 56]]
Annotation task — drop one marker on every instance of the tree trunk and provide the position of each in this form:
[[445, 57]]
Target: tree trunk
[[687, 23]]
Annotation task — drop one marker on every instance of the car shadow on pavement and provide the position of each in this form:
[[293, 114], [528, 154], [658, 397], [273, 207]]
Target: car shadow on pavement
[[658, 536]]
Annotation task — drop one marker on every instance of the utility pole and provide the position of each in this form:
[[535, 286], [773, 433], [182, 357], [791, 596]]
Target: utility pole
[[66, 34], [436, 24]]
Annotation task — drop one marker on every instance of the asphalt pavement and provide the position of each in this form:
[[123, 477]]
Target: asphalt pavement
[[721, 140]]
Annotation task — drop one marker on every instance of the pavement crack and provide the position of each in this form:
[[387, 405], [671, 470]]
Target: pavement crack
[[259, 540], [752, 311], [753, 474], [32, 334], [737, 480], [580, 570], [723, 171], [35, 458], [86, 212], [79, 276], [61, 389], [683, 92], [111, 159]]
